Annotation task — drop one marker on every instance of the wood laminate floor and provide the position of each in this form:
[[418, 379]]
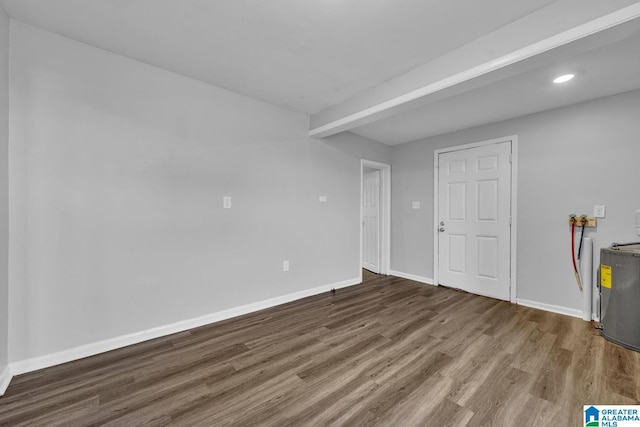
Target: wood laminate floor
[[389, 352]]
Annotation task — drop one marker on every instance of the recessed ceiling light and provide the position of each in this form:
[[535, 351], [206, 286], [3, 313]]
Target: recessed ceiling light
[[563, 78]]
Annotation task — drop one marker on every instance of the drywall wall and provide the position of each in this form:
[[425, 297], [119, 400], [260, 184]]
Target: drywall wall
[[569, 159], [118, 175], [359, 147], [4, 189]]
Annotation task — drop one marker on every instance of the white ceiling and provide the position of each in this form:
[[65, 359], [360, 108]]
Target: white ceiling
[[313, 55], [303, 55], [601, 71]]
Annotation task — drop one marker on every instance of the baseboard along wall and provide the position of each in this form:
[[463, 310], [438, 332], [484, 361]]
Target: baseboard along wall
[[415, 278], [550, 307], [5, 379], [33, 364], [533, 304], [36, 363]]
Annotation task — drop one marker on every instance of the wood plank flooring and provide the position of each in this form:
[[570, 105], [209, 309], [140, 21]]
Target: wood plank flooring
[[389, 352]]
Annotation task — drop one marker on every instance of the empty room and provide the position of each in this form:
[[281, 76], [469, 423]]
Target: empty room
[[321, 212]]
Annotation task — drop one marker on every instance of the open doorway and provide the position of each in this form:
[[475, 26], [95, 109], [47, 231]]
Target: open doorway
[[375, 215]]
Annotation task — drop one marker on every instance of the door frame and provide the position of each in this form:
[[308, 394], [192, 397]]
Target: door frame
[[513, 139], [385, 214]]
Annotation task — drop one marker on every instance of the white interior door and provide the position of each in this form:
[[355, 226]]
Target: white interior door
[[371, 220], [474, 208]]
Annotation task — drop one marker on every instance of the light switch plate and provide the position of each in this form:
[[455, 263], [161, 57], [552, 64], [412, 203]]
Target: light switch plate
[[599, 211], [226, 202], [322, 199], [415, 204]]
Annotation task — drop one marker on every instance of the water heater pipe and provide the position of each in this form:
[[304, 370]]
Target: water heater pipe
[[586, 267], [584, 223], [573, 252]]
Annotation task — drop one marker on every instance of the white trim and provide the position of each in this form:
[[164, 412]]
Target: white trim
[[5, 379], [513, 139], [475, 144], [436, 214], [29, 365], [514, 217], [385, 213], [550, 307], [602, 23], [415, 278]]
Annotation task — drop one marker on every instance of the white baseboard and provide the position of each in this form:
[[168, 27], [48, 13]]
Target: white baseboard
[[533, 304], [5, 379], [550, 307], [427, 280], [29, 365]]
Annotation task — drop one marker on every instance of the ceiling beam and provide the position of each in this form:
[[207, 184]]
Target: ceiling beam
[[562, 22]]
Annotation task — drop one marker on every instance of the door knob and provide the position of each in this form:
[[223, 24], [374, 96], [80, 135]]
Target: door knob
[[441, 229], [441, 222]]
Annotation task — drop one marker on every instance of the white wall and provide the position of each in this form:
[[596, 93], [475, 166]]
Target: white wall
[[118, 173], [359, 147], [569, 159], [4, 187]]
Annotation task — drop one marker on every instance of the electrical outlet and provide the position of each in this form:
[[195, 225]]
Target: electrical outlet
[[415, 204], [599, 211], [226, 202], [285, 265], [322, 199]]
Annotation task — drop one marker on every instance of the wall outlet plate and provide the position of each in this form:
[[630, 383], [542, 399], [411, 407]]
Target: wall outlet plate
[[599, 211]]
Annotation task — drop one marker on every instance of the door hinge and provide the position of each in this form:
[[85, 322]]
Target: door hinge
[[509, 221], [510, 157]]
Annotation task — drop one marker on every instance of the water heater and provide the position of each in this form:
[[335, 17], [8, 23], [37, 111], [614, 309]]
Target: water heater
[[620, 294]]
